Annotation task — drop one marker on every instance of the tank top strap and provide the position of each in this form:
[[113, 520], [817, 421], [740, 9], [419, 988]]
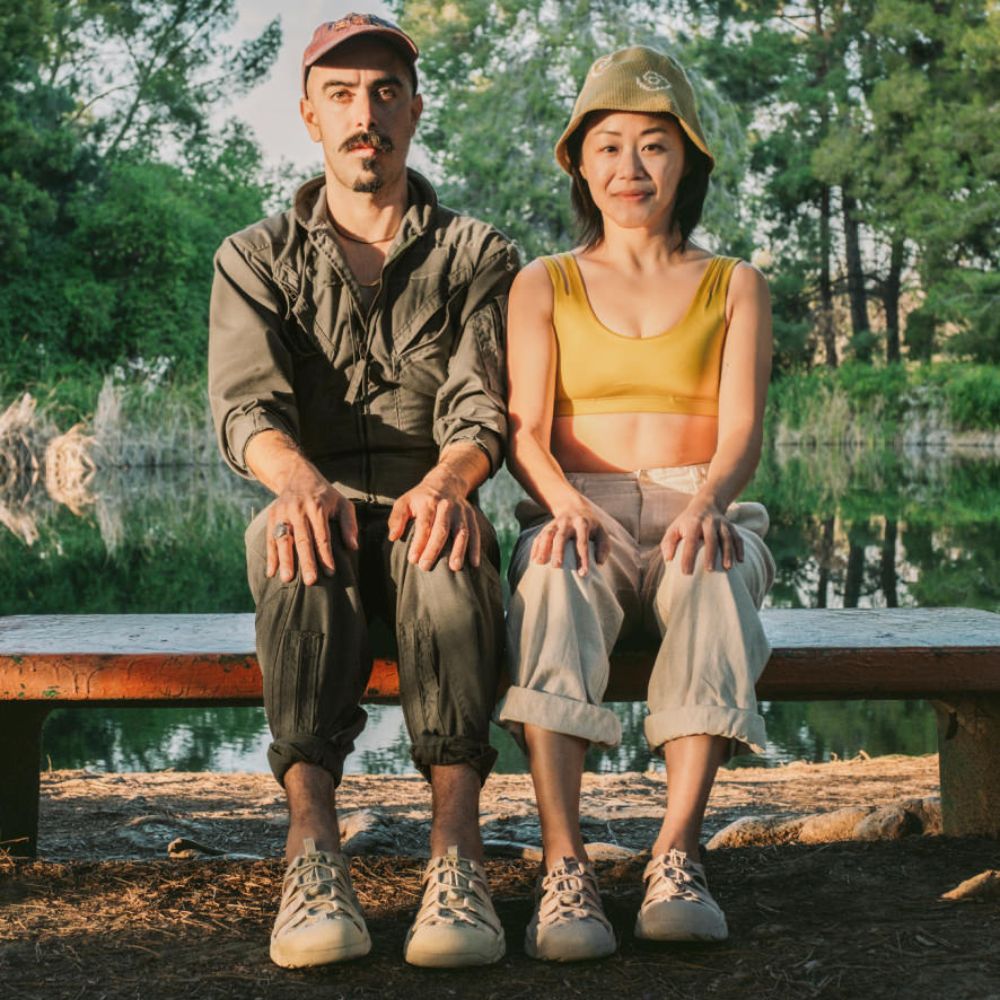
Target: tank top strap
[[561, 274], [715, 285]]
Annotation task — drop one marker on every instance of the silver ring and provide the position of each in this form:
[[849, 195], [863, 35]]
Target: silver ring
[[281, 529]]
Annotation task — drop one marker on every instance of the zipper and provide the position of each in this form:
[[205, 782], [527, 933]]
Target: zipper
[[362, 411], [370, 328]]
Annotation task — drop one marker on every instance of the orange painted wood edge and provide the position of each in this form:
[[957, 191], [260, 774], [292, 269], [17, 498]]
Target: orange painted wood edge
[[151, 677], [790, 674]]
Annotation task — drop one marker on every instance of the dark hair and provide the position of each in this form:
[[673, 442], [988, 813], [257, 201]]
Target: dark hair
[[688, 204]]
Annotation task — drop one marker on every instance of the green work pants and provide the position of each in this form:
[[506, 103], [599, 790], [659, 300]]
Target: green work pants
[[314, 650]]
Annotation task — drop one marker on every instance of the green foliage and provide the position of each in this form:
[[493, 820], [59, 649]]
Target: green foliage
[[792, 316], [67, 392], [971, 393], [500, 80], [868, 125], [105, 243], [855, 403], [890, 106], [877, 401], [145, 73]]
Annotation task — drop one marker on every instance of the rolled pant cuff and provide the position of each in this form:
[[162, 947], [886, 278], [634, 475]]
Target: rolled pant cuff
[[558, 714], [745, 728], [429, 750], [328, 752]]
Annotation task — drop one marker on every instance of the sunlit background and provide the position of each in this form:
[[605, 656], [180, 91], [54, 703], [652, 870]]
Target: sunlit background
[[855, 166]]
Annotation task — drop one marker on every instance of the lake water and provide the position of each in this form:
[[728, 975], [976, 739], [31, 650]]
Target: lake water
[[848, 529]]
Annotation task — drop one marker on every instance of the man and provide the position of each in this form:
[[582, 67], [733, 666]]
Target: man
[[355, 370]]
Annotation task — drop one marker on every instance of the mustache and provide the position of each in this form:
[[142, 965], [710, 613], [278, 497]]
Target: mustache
[[377, 140]]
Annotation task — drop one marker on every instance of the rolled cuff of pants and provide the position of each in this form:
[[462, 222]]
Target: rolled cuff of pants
[[429, 750], [307, 748], [557, 714], [744, 727]]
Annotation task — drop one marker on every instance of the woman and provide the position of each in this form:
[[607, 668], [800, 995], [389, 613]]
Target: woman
[[638, 367]]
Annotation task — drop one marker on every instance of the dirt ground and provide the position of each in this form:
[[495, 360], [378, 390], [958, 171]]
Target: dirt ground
[[107, 913], [91, 817]]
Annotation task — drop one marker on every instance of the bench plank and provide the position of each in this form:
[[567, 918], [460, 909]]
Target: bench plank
[[948, 654], [869, 653]]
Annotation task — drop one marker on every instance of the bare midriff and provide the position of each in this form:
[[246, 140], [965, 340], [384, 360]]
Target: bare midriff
[[625, 442]]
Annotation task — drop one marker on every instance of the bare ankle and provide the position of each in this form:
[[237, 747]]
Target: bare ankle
[[555, 853], [463, 836], [312, 809], [552, 861], [455, 809], [688, 843], [325, 838]]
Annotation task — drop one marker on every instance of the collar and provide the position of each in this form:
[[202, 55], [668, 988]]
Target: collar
[[309, 206]]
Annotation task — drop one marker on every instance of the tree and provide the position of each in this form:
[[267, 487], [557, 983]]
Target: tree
[[39, 156], [939, 99], [501, 78], [115, 191], [145, 73], [854, 141]]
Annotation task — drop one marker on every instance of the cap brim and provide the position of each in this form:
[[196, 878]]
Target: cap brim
[[400, 42]]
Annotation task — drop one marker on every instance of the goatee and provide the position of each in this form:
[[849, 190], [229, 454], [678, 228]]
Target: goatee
[[368, 185]]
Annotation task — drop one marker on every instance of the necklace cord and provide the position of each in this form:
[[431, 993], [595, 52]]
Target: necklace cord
[[354, 239]]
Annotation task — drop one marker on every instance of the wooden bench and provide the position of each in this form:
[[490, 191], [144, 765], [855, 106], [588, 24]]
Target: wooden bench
[[949, 655]]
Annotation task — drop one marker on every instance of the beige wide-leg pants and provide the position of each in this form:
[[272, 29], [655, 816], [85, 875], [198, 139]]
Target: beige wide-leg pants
[[561, 627]]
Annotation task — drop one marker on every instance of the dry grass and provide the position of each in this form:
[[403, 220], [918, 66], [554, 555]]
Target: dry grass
[[134, 429], [833, 920], [23, 433], [830, 921], [70, 468]]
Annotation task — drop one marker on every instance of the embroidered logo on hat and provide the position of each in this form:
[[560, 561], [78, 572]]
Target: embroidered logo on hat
[[600, 65], [651, 80], [356, 20]]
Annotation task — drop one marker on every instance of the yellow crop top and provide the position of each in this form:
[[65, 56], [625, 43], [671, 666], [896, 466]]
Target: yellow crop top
[[600, 371]]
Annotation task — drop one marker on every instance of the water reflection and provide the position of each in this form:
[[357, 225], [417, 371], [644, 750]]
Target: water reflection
[[849, 529]]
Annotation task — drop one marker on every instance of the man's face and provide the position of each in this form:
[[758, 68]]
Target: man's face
[[360, 105]]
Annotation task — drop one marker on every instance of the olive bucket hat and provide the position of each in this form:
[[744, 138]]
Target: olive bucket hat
[[636, 79]]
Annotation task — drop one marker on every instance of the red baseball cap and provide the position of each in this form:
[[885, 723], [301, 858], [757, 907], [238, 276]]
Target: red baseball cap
[[330, 34]]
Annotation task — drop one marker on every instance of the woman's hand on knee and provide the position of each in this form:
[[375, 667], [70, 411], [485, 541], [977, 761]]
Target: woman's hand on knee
[[702, 525], [579, 523]]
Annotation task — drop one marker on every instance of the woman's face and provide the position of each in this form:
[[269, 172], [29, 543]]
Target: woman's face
[[632, 163]]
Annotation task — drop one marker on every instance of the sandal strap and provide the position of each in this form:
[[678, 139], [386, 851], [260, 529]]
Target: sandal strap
[[456, 892]]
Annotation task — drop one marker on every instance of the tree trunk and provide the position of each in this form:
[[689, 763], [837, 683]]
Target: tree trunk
[[826, 329], [861, 334], [825, 559], [890, 580], [855, 570], [890, 301], [827, 332]]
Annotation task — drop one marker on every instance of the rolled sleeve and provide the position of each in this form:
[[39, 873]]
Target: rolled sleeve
[[249, 367], [471, 403]]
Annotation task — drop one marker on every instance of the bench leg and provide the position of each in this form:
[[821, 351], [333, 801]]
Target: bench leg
[[969, 755], [20, 760]]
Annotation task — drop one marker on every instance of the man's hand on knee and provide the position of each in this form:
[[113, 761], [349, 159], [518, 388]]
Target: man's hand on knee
[[440, 517], [298, 521], [298, 528], [440, 509]]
